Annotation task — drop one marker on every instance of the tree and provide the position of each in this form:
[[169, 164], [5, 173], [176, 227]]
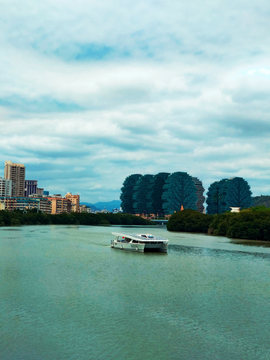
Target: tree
[[238, 193], [215, 197], [127, 193], [140, 192], [179, 190], [154, 196], [227, 193], [199, 193]]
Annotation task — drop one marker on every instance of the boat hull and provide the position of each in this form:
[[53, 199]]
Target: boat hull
[[156, 247], [127, 246]]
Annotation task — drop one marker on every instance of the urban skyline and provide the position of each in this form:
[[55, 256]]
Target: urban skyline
[[147, 189], [18, 193]]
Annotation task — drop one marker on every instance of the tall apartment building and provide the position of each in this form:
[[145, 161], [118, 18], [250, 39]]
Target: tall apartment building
[[16, 173], [5, 187], [30, 187], [75, 200]]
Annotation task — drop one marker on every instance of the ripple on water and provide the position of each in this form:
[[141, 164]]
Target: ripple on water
[[66, 294]]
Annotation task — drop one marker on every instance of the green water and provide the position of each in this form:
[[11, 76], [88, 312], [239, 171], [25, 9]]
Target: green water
[[65, 294]]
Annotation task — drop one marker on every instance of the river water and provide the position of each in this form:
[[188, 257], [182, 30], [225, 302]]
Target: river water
[[65, 294]]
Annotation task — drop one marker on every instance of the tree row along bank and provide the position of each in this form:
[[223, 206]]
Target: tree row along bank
[[16, 218], [253, 223]]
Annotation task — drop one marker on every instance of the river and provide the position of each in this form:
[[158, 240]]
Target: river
[[65, 294]]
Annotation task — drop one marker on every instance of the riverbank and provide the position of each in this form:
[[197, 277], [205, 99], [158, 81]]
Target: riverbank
[[253, 224], [32, 217]]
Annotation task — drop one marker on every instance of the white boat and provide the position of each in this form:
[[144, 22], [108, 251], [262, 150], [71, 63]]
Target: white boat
[[139, 242]]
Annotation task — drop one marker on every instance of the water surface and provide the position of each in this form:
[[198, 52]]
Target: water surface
[[65, 294]]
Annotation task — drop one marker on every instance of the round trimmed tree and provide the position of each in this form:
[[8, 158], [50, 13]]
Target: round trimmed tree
[[179, 191], [127, 191]]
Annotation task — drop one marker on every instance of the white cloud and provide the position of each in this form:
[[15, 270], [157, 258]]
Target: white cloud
[[94, 91]]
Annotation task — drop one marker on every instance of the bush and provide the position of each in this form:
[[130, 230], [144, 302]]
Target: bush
[[189, 221], [104, 222]]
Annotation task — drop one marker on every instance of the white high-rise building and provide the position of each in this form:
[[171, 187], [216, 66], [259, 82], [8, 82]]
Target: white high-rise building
[[5, 187]]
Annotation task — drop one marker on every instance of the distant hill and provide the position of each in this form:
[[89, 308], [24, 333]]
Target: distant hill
[[261, 200], [109, 205]]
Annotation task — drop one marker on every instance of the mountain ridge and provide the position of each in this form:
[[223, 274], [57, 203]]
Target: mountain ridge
[[108, 205]]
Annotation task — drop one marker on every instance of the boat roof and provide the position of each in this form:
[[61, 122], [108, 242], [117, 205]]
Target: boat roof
[[144, 237]]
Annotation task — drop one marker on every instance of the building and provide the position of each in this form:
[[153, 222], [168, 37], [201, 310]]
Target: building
[[75, 199], [2, 205], [30, 187], [5, 187], [40, 191], [82, 208], [16, 173], [60, 205], [19, 203], [12, 203], [45, 205]]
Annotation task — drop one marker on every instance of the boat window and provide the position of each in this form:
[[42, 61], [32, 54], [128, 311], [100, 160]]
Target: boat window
[[144, 236]]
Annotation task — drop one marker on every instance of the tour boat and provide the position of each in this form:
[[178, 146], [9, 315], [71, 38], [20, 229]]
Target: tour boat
[[140, 242]]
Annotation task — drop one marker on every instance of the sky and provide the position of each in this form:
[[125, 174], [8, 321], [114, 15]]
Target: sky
[[93, 91]]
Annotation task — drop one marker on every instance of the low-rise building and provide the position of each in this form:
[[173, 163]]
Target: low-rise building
[[12, 203], [2, 205], [60, 205], [45, 205], [40, 191], [75, 200], [19, 203], [83, 208]]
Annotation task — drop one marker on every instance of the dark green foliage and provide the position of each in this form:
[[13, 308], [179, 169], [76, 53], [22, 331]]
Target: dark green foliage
[[199, 193], [154, 196], [227, 193], [253, 224], [141, 189], [215, 198], [238, 193], [104, 222], [127, 193], [15, 218], [259, 208], [189, 221], [179, 190]]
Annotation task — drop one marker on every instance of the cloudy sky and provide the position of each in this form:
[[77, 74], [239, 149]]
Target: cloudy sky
[[92, 91]]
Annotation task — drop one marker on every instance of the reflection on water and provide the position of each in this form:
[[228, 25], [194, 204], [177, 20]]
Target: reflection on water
[[250, 242], [215, 252], [64, 293]]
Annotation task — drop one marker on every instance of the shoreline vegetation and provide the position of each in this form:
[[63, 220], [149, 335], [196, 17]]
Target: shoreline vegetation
[[32, 217], [251, 224]]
